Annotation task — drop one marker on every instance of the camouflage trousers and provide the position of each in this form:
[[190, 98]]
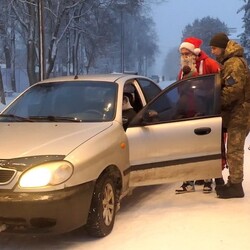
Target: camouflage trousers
[[237, 134]]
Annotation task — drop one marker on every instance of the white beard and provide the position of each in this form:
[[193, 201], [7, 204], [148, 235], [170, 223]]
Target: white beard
[[189, 61]]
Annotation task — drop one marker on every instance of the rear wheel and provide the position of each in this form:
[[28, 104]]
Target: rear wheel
[[103, 207]]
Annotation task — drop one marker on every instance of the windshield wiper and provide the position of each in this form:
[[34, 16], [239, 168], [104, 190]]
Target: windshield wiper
[[52, 118], [16, 117]]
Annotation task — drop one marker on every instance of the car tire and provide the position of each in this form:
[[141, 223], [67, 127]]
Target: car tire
[[103, 207]]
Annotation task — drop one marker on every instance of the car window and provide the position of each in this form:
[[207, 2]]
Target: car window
[[149, 89], [189, 99], [80, 101], [134, 97]]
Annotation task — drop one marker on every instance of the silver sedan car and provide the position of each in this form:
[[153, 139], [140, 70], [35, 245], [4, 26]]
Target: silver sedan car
[[72, 147]]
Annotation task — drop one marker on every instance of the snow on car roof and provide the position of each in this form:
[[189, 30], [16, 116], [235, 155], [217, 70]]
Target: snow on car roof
[[112, 77]]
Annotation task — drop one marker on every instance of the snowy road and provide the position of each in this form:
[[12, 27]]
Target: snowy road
[[154, 218]]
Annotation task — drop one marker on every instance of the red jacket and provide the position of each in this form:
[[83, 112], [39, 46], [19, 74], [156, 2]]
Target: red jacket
[[204, 65]]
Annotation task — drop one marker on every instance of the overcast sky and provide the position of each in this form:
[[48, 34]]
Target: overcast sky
[[172, 16]]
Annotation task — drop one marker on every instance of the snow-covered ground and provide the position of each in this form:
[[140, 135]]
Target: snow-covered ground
[[155, 218]]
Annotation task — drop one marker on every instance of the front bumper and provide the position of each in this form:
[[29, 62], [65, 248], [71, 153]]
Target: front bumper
[[45, 212]]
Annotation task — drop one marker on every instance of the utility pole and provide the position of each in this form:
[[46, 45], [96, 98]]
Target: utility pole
[[42, 65], [121, 4], [13, 49], [122, 42]]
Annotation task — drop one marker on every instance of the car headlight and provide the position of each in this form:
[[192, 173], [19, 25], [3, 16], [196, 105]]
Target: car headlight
[[52, 173]]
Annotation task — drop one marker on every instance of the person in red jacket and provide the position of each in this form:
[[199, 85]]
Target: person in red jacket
[[196, 59], [194, 62]]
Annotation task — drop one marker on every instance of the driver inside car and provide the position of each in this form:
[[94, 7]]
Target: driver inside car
[[128, 111]]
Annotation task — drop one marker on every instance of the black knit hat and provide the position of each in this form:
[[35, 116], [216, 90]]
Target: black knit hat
[[219, 40]]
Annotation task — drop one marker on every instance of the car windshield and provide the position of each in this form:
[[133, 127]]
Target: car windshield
[[64, 102]]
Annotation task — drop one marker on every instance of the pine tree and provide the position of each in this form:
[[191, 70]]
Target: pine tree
[[204, 29], [245, 36]]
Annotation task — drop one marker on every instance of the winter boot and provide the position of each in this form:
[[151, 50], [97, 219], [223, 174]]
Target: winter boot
[[224, 186], [207, 188], [187, 186], [219, 188], [219, 181], [230, 190]]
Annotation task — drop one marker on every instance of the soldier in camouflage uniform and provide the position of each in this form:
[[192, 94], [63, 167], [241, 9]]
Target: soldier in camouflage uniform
[[234, 107]]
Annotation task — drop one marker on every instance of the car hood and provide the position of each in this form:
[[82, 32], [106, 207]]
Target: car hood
[[29, 139]]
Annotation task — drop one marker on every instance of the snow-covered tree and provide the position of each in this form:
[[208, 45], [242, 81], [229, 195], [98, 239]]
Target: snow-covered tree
[[245, 36], [204, 29], [82, 36], [171, 65]]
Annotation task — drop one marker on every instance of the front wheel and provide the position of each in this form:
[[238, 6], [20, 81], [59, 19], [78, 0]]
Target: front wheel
[[103, 207]]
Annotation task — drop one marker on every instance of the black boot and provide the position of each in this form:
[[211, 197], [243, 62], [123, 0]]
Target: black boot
[[219, 188], [220, 184], [219, 181], [230, 190]]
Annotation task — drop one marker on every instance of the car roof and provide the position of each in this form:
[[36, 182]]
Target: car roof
[[112, 77]]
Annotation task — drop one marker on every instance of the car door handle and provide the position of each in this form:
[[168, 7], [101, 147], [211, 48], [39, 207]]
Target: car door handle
[[202, 131]]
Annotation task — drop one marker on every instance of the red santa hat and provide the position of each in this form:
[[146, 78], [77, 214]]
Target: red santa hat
[[193, 44]]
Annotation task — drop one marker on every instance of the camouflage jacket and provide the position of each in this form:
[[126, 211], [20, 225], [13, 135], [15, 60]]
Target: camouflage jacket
[[234, 79]]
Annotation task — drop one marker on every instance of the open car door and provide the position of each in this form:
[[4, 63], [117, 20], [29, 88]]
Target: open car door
[[177, 136]]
